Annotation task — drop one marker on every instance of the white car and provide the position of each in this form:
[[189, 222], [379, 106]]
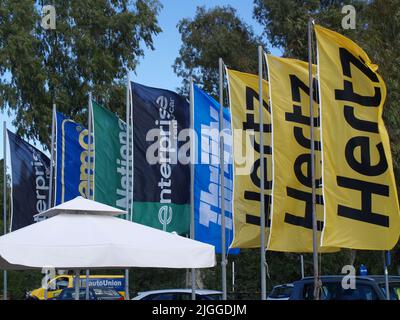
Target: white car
[[281, 292], [178, 294]]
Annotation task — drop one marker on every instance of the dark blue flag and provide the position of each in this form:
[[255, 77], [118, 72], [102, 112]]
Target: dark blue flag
[[30, 174], [72, 160], [207, 186], [161, 140]]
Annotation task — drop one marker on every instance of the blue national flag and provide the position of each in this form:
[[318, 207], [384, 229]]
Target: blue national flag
[[207, 205], [72, 160]]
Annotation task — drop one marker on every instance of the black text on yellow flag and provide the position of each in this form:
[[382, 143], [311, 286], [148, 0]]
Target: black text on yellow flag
[[244, 104], [291, 226], [361, 205]]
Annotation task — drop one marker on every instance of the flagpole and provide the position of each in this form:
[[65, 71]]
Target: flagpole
[[128, 140], [132, 152], [386, 273], [4, 201], [314, 217], [89, 145], [192, 153], [77, 283], [233, 276], [262, 178], [222, 176], [50, 203], [89, 176], [131, 185]]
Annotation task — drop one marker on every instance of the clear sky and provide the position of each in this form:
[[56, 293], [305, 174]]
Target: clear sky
[[155, 68]]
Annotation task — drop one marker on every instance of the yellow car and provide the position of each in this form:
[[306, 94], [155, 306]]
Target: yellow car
[[67, 281]]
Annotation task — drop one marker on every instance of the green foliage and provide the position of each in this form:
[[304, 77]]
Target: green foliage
[[379, 40], [285, 21], [93, 45], [19, 282], [212, 34]]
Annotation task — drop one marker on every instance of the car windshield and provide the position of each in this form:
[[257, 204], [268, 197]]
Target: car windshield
[[335, 291], [210, 296], [61, 284], [105, 293], [394, 290], [281, 292], [69, 294]]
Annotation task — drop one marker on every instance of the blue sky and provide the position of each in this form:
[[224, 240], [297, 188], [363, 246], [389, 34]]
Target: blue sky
[[155, 68]]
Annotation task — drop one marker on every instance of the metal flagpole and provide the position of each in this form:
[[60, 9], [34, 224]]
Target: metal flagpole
[[385, 268], [314, 216], [89, 145], [262, 177], [127, 187], [193, 152], [233, 276], [132, 168], [132, 180], [87, 285], [77, 284], [128, 138], [222, 175], [4, 200], [50, 203], [89, 175]]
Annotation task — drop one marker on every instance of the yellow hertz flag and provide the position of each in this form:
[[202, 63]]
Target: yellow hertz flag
[[361, 205], [291, 226], [244, 104]]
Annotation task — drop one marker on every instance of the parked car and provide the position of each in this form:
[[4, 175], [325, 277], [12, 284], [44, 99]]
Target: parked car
[[178, 294], [64, 281], [281, 292], [366, 288], [99, 293]]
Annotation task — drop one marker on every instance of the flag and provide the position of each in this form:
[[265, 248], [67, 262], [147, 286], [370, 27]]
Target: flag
[[30, 177], [291, 209], [161, 138], [361, 205], [72, 162], [244, 105], [207, 171], [110, 176]]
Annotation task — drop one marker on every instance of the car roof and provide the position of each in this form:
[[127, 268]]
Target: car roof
[[198, 291], [376, 278]]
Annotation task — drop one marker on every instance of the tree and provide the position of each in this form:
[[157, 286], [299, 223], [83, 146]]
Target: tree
[[91, 49], [211, 34], [285, 22], [378, 40]]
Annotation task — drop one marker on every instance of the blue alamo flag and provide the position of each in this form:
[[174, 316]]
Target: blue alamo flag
[[30, 173], [72, 160], [207, 206]]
